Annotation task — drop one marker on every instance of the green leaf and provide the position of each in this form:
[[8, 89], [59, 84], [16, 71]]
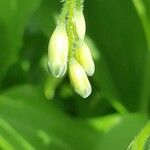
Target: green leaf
[[118, 130], [28, 121], [14, 15], [46, 16], [34, 123], [142, 10], [118, 32], [140, 140]]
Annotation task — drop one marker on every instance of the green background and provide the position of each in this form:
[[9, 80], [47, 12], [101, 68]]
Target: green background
[[43, 113]]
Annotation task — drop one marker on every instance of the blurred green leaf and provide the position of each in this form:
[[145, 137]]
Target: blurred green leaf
[[142, 11], [46, 16], [118, 130], [118, 31], [14, 15], [27, 121], [119, 43], [34, 123], [139, 142]]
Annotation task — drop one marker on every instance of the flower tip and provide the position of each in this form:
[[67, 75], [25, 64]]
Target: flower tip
[[84, 57], [90, 71], [58, 70], [87, 92], [79, 79]]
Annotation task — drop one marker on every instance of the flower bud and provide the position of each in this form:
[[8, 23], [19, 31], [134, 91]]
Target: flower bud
[[84, 57], [79, 79], [58, 52], [80, 23]]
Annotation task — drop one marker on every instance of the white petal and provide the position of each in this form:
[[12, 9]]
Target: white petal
[[79, 79], [58, 52], [80, 24], [84, 57]]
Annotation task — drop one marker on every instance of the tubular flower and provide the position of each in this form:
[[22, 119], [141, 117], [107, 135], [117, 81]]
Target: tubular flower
[[79, 79], [84, 57], [58, 52], [67, 47], [80, 24]]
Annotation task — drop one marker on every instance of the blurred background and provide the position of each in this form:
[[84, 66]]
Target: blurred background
[[43, 113]]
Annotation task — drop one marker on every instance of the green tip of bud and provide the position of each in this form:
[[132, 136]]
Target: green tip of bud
[[85, 93], [84, 57], [57, 70], [79, 79]]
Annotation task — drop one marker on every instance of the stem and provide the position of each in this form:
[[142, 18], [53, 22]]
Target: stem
[[66, 19], [62, 16], [71, 28], [146, 83]]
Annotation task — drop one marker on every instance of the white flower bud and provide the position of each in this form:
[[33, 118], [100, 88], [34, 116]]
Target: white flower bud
[[79, 79], [80, 23], [84, 57], [58, 52]]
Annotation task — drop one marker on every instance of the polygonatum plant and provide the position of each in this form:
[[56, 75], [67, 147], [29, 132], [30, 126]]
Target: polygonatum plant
[[67, 48]]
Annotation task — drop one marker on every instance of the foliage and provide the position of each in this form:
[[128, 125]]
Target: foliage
[[40, 112]]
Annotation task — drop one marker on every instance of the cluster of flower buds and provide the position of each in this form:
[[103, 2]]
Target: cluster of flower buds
[[80, 63]]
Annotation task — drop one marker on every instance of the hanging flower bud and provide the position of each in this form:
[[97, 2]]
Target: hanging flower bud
[[79, 79], [84, 57], [58, 52], [80, 23]]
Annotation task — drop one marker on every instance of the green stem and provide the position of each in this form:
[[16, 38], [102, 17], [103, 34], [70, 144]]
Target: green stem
[[71, 28], [67, 18], [62, 16]]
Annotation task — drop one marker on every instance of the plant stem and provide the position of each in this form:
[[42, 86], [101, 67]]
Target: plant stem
[[71, 28], [62, 17]]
